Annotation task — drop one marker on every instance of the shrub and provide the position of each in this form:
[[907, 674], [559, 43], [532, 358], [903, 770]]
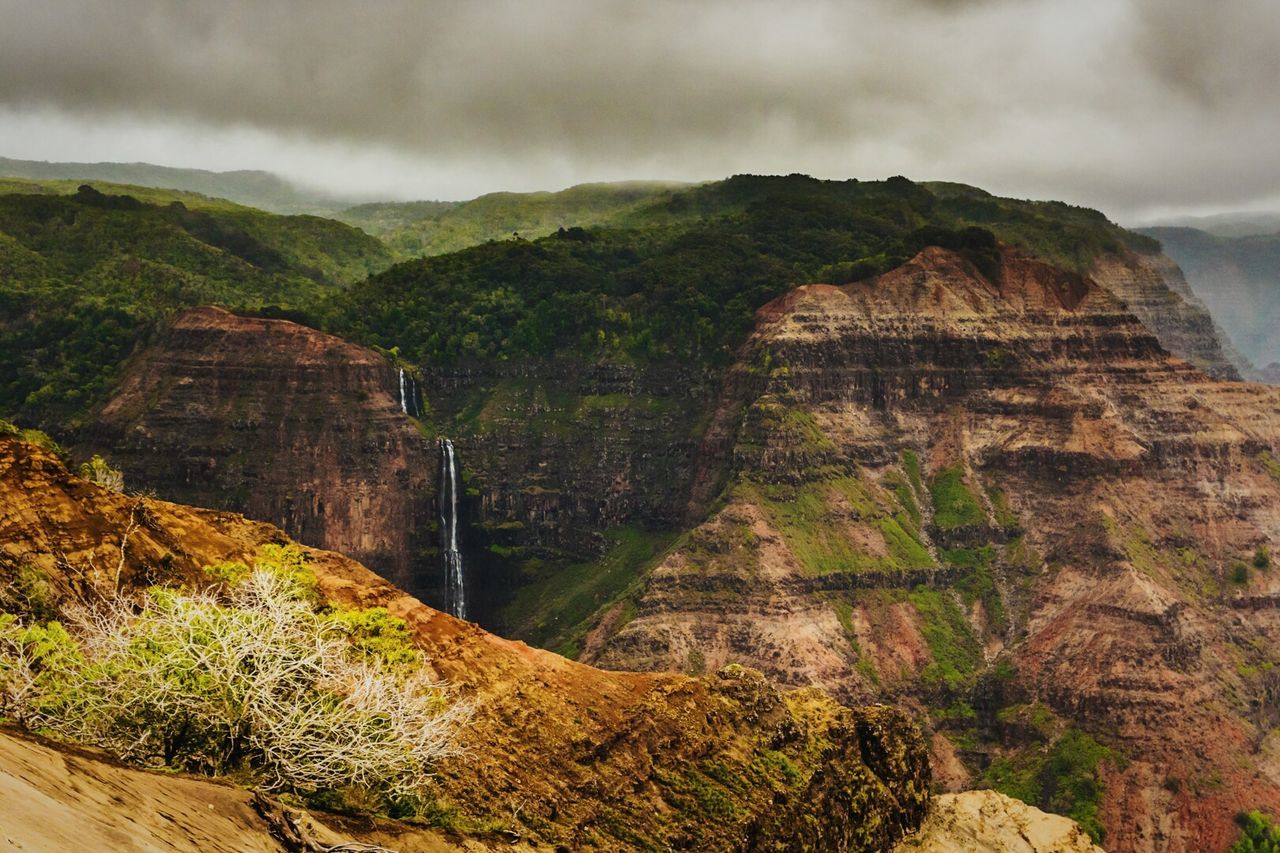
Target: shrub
[[98, 472], [1258, 834], [248, 678]]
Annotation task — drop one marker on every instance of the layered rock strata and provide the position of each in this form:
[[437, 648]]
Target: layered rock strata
[[284, 424], [1003, 501]]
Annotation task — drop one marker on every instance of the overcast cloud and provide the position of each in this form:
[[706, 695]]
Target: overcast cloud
[[1135, 107]]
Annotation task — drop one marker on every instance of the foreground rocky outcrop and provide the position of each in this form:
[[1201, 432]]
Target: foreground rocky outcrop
[[558, 752], [284, 424], [54, 797], [988, 822], [1000, 501]]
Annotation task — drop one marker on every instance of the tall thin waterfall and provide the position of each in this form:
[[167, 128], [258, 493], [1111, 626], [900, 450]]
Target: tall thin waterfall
[[404, 399], [455, 592]]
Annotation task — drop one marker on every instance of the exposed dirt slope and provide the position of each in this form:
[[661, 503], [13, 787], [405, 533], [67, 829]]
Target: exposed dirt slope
[[54, 797], [558, 751]]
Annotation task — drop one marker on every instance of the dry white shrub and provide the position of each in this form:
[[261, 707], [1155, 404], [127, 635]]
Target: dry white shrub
[[255, 678]]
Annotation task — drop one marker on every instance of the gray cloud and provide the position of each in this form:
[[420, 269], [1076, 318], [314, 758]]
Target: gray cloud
[[1124, 105]]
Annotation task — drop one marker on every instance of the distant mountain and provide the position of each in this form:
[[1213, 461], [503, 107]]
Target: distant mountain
[[1238, 278], [384, 218], [443, 227], [1226, 224], [257, 189]]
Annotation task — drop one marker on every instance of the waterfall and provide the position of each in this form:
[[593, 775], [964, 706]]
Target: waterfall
[[404, 405], [455, 593]]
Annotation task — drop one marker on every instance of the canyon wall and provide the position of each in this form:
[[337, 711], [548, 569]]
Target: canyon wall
[[1003, 503], [284, 424]]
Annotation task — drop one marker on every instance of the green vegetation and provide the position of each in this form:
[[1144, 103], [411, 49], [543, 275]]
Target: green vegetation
[[658, 273], [1258, 834], [954, 504], [98, 472], [262, 190], [383, 219], [906, 497], [1262, 558], [1270, 464], [34, 436], [1062, 233], [1064, 778], [977, 582], [956, 653], [813, 518], [248, 678], [417, 229], [681, 274], [85, 278], [556, 605], [1004, 514]]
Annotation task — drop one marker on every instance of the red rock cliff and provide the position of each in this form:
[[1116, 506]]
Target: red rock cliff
[[287, 425]]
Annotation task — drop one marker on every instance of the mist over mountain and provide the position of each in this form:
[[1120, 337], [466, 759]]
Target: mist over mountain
[[719, 426], [253, 188], [1238, 277]]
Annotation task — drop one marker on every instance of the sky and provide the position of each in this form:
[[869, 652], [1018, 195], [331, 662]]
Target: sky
[[1141, 108]]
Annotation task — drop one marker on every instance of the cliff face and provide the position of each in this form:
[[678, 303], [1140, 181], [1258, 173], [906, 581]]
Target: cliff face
[[558, 753], [1155, 290], [299, 428], [286, 425], [1002, 502], [562, 460], [1236, 277]]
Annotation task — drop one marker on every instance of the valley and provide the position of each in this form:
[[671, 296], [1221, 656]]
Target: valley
[[986, 461]]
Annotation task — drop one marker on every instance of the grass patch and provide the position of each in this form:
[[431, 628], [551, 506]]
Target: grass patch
[[555, 610], [1270, 464], [906, 497], [1003, 513], [904, 547], [954, 504], [911, 464], [1064, 779], [812, 519], [956, 653], [977, 581]]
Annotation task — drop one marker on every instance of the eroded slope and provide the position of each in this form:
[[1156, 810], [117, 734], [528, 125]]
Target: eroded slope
[[1002, 501], [558, 752]]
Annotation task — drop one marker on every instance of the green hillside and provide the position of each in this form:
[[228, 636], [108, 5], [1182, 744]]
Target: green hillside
[[679, 275], [257, 189], [84, 278], [498, 216], [674, 275], [382, 219]]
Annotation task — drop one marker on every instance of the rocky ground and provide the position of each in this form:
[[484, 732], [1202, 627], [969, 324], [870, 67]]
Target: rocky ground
[[557, 752]]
